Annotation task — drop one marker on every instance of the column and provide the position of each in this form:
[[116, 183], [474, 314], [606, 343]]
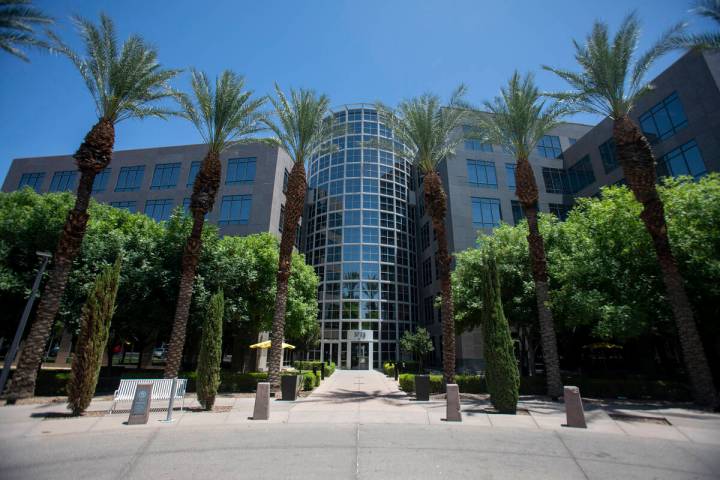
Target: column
[[370, 356]]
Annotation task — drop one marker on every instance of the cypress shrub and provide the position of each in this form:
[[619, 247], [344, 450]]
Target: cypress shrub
[[502, 376], [94, 330], [210, 357]]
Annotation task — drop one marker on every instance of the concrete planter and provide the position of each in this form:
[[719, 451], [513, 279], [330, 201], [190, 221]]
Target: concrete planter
[[290, 385], [422, 388]]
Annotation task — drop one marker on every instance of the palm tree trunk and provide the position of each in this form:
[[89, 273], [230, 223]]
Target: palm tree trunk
[[295, 202], [638, 165], [527, 192], [207, 183], [436, 204], [93, 155]]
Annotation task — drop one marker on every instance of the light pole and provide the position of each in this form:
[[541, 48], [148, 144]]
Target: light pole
[[23, 321]]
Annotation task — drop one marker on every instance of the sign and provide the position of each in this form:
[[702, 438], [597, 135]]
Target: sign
[[360, 335], [140, 409]]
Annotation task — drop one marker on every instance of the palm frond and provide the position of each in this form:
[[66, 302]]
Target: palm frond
[[18, 20], [125, 81], [702, 41]]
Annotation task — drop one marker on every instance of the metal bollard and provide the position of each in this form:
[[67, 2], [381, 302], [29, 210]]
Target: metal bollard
[[173, 390]]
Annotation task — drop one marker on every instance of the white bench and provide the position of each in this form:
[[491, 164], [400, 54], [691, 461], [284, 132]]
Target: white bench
[[161, 390]]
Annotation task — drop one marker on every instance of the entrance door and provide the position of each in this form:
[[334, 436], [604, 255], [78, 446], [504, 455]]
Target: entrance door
[[359, 355]]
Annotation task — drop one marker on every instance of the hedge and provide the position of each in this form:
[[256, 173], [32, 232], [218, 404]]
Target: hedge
[[410, 366], [466, 383], [309, 364]]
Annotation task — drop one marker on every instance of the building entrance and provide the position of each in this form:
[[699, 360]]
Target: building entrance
[[359, 355]]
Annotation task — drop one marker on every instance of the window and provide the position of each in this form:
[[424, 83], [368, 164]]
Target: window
[[517, 212], [481, 173], [159, 210], [63, 181], [286, 178], [129, 206], [608, 155], [428, 307], [130, 178], [32, 180], [510, 174], [559, 210], [235, 209], [581, 174], [282, 218], [427, 272], [555, 180], [425, 236], [549, 146], [194, 169], [477, 145], [101, 180], [165, 176], [572, 140], [240, 170], [664, 119], [485, 212], [684, 160]]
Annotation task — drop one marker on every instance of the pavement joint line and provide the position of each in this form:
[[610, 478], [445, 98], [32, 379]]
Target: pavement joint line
[[357, 451], [572, 455], [141, 450]]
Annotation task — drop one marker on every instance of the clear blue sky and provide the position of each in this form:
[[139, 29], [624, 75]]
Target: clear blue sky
[[355, 50]]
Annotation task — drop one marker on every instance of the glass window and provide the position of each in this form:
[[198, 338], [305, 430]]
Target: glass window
[[165, 176], [159, 210], [517, 212], [130, 178], [664, 119], [608, 154], [241, 170], [63, 181], [581, 174], [684, 160], [129, 206], [549, 146], [351, 253], [555, 180], [370, 235], [370, 201], [33, 180], [351, 271], [235, 209], [352, 235], [477, 145], [485, 212], [510, 174], [481, 173], [101, 180], [559, 210], [352, 217], [425, 236], [427, 272], [370, 271]]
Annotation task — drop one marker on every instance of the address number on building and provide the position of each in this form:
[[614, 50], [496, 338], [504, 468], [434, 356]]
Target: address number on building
[[360, 335]]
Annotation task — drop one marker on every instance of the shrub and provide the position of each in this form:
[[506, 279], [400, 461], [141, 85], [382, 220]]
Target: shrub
[[309, 364], [310, 380], [389, 369], [471, 383], [94, 331], [210, 357], [466, 383], [502, 376]]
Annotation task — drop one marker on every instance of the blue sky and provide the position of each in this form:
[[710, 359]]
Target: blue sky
[[354, 51]]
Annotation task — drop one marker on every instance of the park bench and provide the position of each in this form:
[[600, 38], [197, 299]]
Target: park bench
[[161, 390]]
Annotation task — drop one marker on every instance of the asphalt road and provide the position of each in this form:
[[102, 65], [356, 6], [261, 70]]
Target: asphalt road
[[348, 451]]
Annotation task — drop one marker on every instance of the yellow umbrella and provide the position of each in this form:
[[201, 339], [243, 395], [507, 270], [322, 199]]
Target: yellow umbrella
[[266, 344]]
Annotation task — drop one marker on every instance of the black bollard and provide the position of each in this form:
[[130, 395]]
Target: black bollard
[[322, 372], [395, 370]]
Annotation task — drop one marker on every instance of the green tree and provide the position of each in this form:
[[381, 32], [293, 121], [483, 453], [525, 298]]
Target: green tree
[[417, 344], [125, 83], [18, 20], [300, 129], [709, 9], [610, 82], [429, 129], [95, 327], [224, 115], [501, 373], [518, 119], [210, 358]]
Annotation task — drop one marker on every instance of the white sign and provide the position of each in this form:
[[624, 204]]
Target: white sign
[[360, 335]]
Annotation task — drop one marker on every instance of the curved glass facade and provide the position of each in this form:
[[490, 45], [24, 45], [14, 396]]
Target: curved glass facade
[[360, 237]]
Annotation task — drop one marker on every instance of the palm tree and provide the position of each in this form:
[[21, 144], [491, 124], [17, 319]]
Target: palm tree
[[517, 120], [124, 83], [609, 84], [429, 129], [224, 116], [703, 41], [302, 130], [18, 19]]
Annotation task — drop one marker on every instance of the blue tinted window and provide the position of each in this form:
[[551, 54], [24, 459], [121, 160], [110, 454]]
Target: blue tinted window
[[235, 209], [517, 212], [159, 210], [549, 146], [485, 212], [64, 181], [130, 178], [165, 176], [684, 160], [609, 155], [194, 169], [664, 119], [129, 206], [32, 180], [101, 180], [481, 173], [581, 174], [510, 174], [559, 210], [242, 170]]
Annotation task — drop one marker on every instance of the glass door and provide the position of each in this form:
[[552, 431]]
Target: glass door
[[359, 356]]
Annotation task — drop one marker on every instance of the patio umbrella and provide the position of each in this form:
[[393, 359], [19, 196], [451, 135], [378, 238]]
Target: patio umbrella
[[266, 344]]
